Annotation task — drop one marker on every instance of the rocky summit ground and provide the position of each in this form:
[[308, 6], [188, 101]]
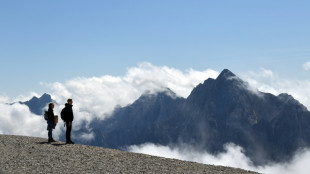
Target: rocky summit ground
[[19, 154]]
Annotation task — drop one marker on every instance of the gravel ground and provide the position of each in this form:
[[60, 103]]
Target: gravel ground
[[19, 154]]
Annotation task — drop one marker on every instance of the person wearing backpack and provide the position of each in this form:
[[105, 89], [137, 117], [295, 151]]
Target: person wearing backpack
[[67, 117], [50, 122]]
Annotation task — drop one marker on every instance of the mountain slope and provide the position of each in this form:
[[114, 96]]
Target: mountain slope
[[268, 127], [36, 104], [33, 155], [219, 111]]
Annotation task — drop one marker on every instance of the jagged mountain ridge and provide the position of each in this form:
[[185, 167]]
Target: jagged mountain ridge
[[219, 111], [36, 105]]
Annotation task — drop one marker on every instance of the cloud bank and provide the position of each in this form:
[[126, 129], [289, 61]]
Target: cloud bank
[[96, 97], [233, 156], [306, 66], [268, 81], [18, 120]]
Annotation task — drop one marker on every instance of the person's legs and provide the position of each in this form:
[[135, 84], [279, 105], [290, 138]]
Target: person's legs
[[50, 125], [68, 132]]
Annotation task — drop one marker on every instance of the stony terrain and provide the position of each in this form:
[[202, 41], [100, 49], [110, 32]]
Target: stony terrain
[[19, 154]]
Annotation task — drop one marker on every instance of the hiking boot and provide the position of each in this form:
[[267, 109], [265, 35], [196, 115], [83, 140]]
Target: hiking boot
[[51, 140], [69, 142]]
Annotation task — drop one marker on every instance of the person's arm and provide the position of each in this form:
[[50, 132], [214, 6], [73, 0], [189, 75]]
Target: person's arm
[[71, 114]]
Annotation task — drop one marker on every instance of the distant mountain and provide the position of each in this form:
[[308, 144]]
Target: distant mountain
[[37, 105], [219, 111]]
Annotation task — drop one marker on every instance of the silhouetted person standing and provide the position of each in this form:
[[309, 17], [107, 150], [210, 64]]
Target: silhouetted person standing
[[50, 122], [67, 116]]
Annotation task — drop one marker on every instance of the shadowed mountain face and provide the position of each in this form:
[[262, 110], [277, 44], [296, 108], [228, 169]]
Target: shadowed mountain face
[[36, 105], [219, 111]]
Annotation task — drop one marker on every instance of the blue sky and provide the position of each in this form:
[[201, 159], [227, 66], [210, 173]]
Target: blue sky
[[48, 41]]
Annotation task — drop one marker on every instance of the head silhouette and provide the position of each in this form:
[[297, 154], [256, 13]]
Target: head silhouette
[[51, 106], [69, 101]]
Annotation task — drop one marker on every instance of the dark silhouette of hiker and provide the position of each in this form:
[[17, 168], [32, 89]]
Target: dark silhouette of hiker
[[50, 122], [67, 116]]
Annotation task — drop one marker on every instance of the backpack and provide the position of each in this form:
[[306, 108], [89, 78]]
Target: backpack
[[63, 114], [45, 115]]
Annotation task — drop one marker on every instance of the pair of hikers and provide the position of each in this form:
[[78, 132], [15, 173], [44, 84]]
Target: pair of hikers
[[66, 116]]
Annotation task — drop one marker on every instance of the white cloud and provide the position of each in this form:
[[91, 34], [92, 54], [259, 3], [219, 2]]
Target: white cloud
[[233, 156], [18, 120], [97, 97], [270, 82], [4, 99], [86, 136], [267, 73], [306, 66]]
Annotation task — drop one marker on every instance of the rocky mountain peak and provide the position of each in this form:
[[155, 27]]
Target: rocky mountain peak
[[46, 97], [227, 78], [227, 83], [226, 74], [37, 104]]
